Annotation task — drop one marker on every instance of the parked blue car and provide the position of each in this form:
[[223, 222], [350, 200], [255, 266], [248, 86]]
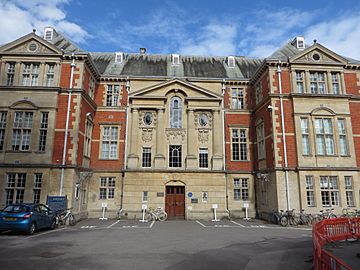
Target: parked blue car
[[27, 217]]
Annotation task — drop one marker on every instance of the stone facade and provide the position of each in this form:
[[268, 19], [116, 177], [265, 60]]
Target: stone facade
[[206, 132]]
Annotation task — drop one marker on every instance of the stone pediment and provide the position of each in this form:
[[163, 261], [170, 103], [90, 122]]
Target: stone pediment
[[30, 44], [318, 55], [188, 89]]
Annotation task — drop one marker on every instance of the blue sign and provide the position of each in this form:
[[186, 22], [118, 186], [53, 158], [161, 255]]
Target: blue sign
[[57, 203], [190, 194]]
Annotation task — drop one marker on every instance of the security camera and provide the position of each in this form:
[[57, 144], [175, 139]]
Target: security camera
[[270, 108]]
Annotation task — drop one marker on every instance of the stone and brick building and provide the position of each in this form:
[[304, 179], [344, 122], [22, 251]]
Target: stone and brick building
[[180, 132]]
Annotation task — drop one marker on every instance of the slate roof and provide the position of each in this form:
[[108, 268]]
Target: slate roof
[[65, 44], [161, 66]]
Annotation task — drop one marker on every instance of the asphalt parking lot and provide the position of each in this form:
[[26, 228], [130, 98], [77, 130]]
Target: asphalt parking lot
[[131, 244]]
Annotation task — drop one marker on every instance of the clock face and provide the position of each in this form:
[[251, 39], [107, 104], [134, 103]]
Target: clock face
[[148, 118], [203, 120]]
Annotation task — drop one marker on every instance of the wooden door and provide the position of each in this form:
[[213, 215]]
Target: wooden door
[[175, 202]]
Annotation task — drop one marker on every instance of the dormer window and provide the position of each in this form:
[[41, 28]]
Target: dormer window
[[119, 57], [48, 33], [231, 61], [299, 43], [175, 59]]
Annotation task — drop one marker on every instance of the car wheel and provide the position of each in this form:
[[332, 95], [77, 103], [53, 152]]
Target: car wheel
[[53, 224], [32, 228]]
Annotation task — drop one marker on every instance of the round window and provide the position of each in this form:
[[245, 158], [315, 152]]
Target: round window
[[148, 118], [203, 119], [316, 57], [33, 47]]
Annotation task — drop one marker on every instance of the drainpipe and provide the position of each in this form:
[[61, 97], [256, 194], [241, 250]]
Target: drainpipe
[[284, 139], [127, 88], [67, 125], [223, 88]]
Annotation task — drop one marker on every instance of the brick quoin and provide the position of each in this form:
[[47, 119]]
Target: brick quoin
[[285, 82]]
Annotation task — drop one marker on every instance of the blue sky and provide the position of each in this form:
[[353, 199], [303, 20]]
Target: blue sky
[[250, 28]]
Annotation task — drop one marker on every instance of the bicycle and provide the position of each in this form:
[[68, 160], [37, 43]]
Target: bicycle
[[278, 218], [62, 217], [327, 214], [157, 214]]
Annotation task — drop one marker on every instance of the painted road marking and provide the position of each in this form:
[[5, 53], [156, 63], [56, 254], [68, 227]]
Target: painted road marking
[[238, 224], [87, 227], [48, 232], [113, 224], [198, 222]]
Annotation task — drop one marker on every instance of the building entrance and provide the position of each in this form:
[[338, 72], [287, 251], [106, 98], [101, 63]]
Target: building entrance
[[175, 202]]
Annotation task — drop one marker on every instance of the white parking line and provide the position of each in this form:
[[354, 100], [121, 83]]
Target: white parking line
[[113, 224], [152, 224], [238, 224], [198, 222], [48, 232]]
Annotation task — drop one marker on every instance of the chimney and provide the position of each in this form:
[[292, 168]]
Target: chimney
[[142, 50]]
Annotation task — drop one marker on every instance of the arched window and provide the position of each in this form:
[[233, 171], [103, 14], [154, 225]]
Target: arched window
[[175, 113]]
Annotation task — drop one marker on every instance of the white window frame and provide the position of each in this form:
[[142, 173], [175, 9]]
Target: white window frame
[[310, 191], [112, 95], [324, 137], [299, 81], [15, 188], [37, 187], [349, 191], [175, 156], [22, 127], [119, 57], [305, 136], [231, 61], [89, 125], [260, 135], [203, 158], [175, 59], [109, 142], [329, 190], [343, 142], [146, 157], [10, 73], [107, 188], [3, 117], [237, 99], [175, 112]]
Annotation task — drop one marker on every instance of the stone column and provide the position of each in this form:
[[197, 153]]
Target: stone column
[[159, 158], [342, 84], [133, 157], [191, 159], [307, 82], [294, 84], [329, 82], [217, 135]]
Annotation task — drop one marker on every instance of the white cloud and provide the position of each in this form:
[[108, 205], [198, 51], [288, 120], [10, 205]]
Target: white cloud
[[19, 17], [340, 35], [213, 39]]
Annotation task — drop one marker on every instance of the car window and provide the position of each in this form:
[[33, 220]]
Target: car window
[[16, 208], [44, 209], [36, 209]]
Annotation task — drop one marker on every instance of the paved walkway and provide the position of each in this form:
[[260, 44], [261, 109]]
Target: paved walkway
[[348, 251]]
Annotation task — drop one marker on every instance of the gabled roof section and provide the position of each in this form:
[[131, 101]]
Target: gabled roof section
[[30, 44], [204, 91], [325, 55], [285, 52]]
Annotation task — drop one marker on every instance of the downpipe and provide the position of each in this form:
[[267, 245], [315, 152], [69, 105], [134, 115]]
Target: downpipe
[[63, 162], [287, 191]]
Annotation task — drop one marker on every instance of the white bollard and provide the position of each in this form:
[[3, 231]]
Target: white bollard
[[246, 206], [104, 206], [143, 207], [215, 206]]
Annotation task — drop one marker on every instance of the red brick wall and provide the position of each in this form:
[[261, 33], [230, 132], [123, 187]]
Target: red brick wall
[[355, 123], [351, 82], [102, 118], [285, 81], [245, 121], [66, 75]]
